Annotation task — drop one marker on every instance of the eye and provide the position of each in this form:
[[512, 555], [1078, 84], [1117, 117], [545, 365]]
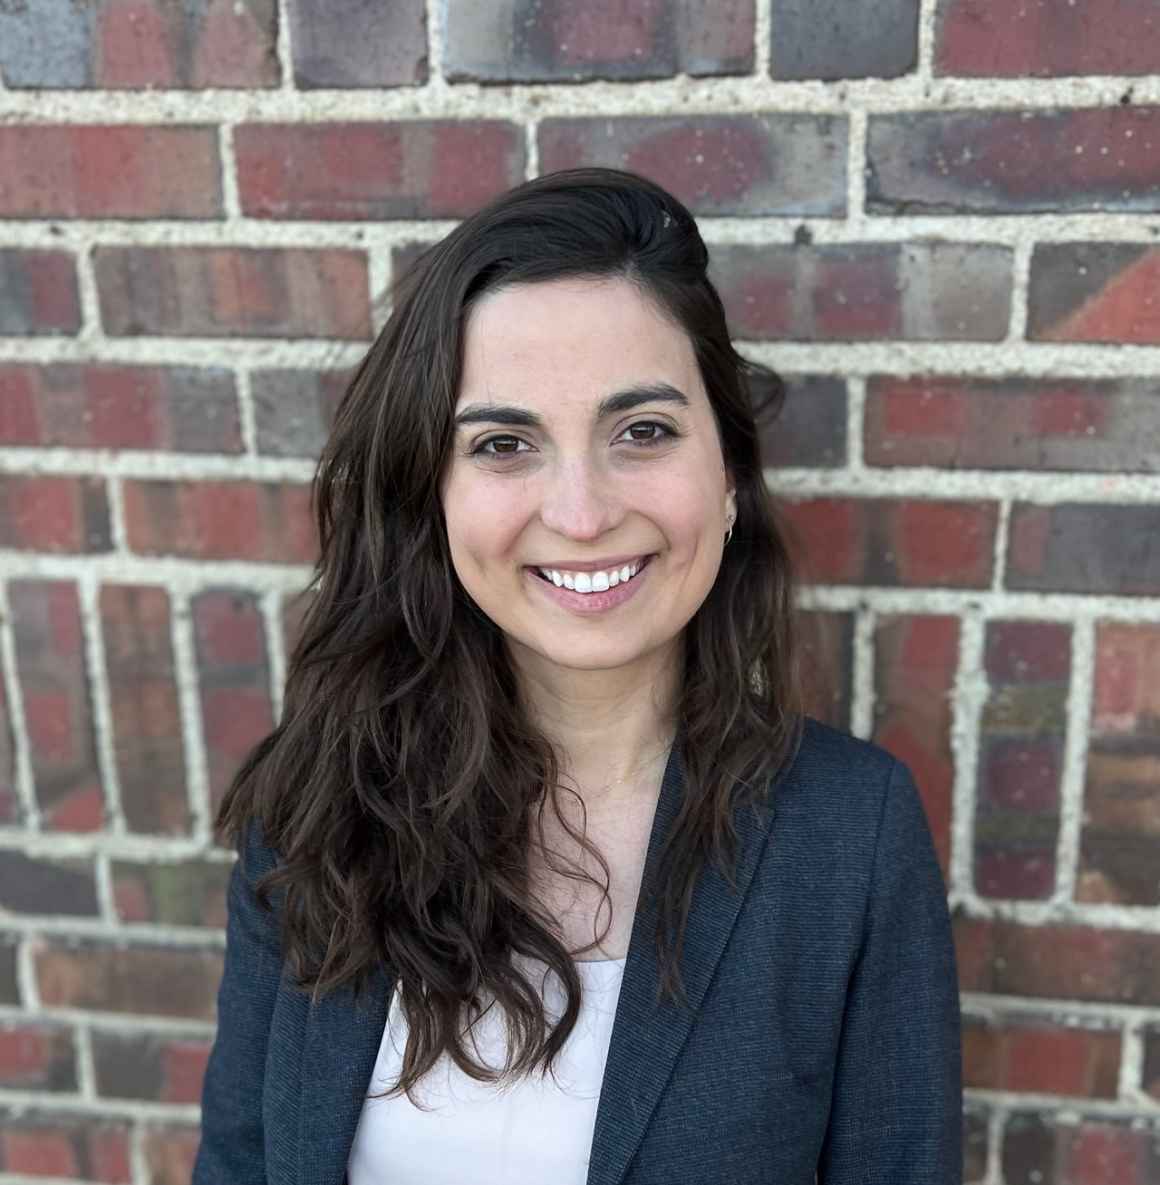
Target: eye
[[666, 433], [481, 448]]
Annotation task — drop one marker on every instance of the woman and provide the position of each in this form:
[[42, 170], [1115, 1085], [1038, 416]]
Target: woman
[[563, 885]]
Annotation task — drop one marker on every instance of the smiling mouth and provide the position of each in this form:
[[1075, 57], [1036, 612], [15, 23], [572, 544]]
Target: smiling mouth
[[644, 563]]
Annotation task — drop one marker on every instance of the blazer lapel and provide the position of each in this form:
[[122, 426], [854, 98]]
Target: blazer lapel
[[342, 1039]]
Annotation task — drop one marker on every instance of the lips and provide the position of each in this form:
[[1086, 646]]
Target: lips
[[648, 559]]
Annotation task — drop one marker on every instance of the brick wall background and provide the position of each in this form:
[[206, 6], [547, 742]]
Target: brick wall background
[[938, 218]]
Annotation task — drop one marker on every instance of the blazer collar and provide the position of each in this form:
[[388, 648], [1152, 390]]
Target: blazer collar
[[342, 1037]]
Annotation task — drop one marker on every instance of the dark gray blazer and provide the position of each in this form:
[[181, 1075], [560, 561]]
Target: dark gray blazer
[[822, 1035]]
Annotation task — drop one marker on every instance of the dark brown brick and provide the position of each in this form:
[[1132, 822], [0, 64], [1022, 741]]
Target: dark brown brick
[[358, 43], [1047, 1149], [139, 980], [1041, 1055], [1150, 1078], [827, 659], [37, 1056], [47, 885], [811, 428], [1023, 731], [442, 168], [146, 714], [9, 988], [156, 1067], [920, 291], [233, 680], [38, 292], [997, 38], [976, 1141], [294, 409], [894, 542], [1085, 549], [915, 660], [189, 893], [260, 521], [114, 171], [54, 685], [169, 1153], [43, 1143], [1013, 423], [54, 514], [836, 39], [104, 405], [1094, 292], [716, 164], [138, 44], [11, 810], [556, 41], [233, 291], [1121, 818]]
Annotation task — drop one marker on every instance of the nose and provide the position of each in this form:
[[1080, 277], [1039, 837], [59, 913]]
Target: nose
[[578, 502]]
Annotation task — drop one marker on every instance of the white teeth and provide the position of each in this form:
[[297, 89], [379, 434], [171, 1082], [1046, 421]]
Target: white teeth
[[586, 582]]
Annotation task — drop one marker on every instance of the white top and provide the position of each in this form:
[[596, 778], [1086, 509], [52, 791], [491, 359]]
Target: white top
[[534, 1131]]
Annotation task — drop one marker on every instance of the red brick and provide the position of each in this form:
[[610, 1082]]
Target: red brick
[[54, 683], [556, 41], [827, 646], [233, 291], [920, 291], [38, 292], [1014, 161], [169, 1154], [442, 168], [294, 409], [215, 520], [145, 711], [53, 514], [715, 164], [140, 980], [233, 680], [104, 405], [997, 38], [189, 893], [350, 43], [47, 885], [893, 541], [41, 1143], [151, 1066], [1036, 1054], [136, 44], [1013, 423], [1094, 292], [915, 660], [832, 39], [1082, 548], [36, 1056], [115, 171]]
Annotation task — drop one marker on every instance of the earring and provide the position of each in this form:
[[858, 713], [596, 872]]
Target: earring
[[729, 533]]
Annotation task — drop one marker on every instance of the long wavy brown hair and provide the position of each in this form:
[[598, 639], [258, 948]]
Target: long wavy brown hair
[[398, 787]]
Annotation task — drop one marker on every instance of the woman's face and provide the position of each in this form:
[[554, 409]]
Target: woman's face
[[543, 476]]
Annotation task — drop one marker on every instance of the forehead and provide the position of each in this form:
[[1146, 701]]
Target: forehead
[[587, 336]]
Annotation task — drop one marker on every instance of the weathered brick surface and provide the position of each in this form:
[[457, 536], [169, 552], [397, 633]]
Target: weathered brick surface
[[54, 685], [152, 1066], [232, 291], [915, 660], [219, 520], [996, 37], [9, 988], [889, 541], [827, 641], [189, 893], [1067, 425], [1121, 820], [43, 1143], [135, 44], [10, 808], [38, 292], [37, 1056], [834, 39], [233, 680], [1041, 1055], [294, 409], [1085, 548], [1150, 1074], [1023, 731], [146, 718], [140, 980], [918, 291], [403, 169], [554, 40], [1094, 292], [109, 172], [1014, 161], [1083, 1148], [47, 885], [102, 405], [54, 514], [358, 43], [976, 1140], [169, 1153], [724, 164], [811, 427]]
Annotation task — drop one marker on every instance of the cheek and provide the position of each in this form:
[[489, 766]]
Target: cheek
[[483, 522]]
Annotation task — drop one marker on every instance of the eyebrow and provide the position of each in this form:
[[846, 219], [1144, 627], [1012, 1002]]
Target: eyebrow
[[619, 401]]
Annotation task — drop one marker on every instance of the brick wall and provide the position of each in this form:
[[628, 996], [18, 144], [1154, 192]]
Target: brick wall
[[940, 219]]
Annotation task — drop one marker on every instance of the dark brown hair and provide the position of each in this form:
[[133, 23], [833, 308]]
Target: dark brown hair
[[398, 787]]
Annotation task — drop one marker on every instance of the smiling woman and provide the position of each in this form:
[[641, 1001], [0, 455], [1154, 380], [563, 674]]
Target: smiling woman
[[550, 673]]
